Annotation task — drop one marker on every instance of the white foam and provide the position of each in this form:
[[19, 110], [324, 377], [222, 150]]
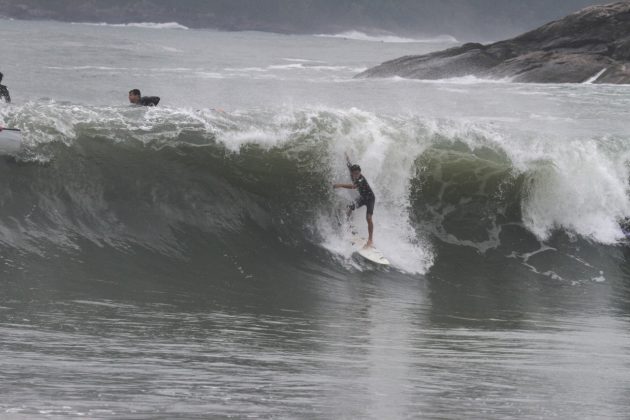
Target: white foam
[[575, 186], [86, 68], [144, 25], [362, 36], [286, 66], [593, 79], [462, 80], [301, 66], [257, 71], [302, 60]]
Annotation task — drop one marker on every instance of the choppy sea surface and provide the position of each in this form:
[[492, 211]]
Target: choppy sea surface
[[186, 261]]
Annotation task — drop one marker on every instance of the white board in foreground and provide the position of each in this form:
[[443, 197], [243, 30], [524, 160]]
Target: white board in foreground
[[370, 254]]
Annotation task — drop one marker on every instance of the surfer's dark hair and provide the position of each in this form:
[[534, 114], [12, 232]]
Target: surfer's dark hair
[[1, 77], [135, 92], [355, 168]]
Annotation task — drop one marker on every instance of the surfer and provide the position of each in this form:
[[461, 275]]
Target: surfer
[[4, 92], [136, 98], [366, 197]]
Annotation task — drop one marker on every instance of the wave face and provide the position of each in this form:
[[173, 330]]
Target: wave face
[[175, 182]]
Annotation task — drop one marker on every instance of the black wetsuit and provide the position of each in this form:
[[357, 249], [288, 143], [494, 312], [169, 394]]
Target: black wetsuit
[[149, 100], [366, 195], [4, 94]]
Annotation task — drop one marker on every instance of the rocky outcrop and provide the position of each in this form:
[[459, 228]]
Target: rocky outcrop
[[592, 42]]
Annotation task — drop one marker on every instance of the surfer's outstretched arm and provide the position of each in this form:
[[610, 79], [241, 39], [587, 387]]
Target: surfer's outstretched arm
[[347, 186]]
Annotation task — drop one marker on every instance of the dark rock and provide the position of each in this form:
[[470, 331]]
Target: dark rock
[[570, 50]]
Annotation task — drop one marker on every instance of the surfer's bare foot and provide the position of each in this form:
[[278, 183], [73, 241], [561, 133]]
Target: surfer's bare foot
[[369, 244]]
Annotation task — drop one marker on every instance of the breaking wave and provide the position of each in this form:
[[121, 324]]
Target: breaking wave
[[169, 181]]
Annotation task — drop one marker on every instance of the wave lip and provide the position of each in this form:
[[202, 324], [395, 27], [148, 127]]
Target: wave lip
[[145, 25], [362, 36]]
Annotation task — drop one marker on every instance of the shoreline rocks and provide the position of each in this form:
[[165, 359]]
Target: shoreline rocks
[[592, 42]]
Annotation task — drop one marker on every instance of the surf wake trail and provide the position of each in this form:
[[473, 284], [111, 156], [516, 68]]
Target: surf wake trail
[[173, 183]]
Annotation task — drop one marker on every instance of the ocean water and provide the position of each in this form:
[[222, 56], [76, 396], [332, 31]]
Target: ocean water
[[186, 261]]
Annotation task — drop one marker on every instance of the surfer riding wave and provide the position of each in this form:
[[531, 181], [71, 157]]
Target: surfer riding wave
[[366, 197]]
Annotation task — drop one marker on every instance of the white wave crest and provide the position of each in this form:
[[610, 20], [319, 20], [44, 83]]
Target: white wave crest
[[596, 76], [145, 25], [361, 36]]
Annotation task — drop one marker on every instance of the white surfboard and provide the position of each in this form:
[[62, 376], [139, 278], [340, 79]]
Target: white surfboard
[[370, 254], [10, 141]]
